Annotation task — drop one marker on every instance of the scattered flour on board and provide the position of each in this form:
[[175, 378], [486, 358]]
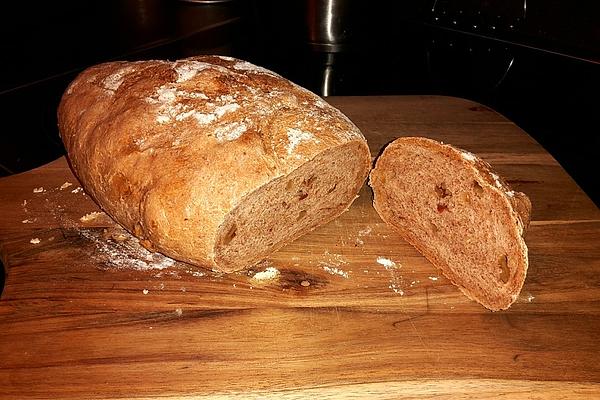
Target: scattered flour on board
[[366, 231], [396, 288], [334, 259], [334, 270], [65, 185], [333, 263], [126, 252], [386, 262], [433, 278], [396, 280]]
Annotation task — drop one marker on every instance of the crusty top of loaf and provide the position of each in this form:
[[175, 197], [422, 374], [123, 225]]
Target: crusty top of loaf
[[202, 132]]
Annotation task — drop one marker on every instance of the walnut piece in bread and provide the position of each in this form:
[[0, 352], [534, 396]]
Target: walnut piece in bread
[[458, 213], [210, 160]]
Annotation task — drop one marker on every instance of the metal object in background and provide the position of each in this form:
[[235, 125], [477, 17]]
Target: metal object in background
[[327, 88], [329, 24], [205, 1]]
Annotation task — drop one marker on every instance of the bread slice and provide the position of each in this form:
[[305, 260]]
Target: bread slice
[[210, 160], [458, 213]]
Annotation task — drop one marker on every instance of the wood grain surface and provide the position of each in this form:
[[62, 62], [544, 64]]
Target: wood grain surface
[[88, 313]]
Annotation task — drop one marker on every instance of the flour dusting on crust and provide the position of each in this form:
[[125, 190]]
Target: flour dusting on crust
[[230, 131], [468, 156], [246, 66], [114, 81], [296, 136], [204, 119], [186, 70]]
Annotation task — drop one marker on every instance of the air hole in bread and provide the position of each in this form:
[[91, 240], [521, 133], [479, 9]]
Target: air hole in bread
[[263, 225], [230, 234], [442, 191], [138, 230], [442, 207], [302, 194], [477, 188], [503, 268], [434, 228], [308, 182]]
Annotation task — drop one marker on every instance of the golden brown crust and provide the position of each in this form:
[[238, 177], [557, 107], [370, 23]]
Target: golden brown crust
[[169, 148], [517, 204]]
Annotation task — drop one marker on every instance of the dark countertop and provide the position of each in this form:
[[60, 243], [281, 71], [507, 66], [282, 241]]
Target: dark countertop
[[531, 67]]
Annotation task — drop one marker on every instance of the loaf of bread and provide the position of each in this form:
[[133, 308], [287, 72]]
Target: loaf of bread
[[210, 160], [458, 213]]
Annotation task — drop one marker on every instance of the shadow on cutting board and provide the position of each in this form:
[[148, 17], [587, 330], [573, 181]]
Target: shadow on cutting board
[[2, 278]]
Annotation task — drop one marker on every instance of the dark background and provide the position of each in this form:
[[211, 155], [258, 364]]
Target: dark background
[[535, 61]]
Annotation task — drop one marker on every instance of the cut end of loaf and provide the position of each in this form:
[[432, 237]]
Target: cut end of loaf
[[291, 206], [456, 212]]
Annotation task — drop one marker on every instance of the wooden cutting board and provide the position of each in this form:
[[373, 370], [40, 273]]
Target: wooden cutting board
[[87, 313]]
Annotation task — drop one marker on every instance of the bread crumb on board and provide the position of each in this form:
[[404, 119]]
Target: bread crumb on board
[[396, 288], [386, 262], [91, 216], [145, 291], [366, 231], [77, 189], [530, 298], [65, 185], [38, 189], [269, 273], [35, 241]]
